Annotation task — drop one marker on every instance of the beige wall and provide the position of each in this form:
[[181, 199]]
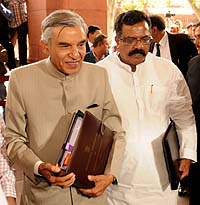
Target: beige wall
[[93, 11]]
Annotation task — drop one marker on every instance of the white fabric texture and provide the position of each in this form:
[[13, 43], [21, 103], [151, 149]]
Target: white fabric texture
[[146, 99]]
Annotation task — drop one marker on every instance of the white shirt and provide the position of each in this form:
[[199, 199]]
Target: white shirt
[[146, 99], [90, 45], [164, 47]]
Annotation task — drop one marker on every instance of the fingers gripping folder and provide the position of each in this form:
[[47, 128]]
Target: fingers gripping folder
[[86, 148]]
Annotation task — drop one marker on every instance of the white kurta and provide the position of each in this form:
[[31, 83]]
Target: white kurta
[[146, 100]]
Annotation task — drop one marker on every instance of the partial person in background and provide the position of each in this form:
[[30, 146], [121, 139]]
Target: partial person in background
[[3, 71], [2, 197], [197, 36], [7, 176], [35, 131], [5, 41], [190, 31], [193, 79], [93, 31], [100, 49], [173, 28], [179, 25], [19, 25], [148, 90], [176, 47]]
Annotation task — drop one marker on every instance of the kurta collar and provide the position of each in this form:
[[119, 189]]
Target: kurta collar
[[121, 64], [56, 73], [128, 67]]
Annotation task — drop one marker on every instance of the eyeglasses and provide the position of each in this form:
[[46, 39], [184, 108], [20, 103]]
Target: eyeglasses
[[130, 41]]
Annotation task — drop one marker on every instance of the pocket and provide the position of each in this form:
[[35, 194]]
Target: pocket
[[96, 111], [155, 99]]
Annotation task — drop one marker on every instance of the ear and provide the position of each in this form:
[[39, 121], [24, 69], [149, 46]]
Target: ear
[[44, 47], [117, 39], [154, 30]]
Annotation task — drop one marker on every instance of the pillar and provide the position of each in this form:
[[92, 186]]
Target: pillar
[[93, 12]]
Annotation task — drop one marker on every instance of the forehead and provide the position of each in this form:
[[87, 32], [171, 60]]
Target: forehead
[[67, 33], [137, 29]]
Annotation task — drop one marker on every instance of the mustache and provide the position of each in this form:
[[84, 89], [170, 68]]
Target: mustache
[[137, 51]]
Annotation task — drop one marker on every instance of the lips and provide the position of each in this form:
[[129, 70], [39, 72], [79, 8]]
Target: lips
[[73, 64]]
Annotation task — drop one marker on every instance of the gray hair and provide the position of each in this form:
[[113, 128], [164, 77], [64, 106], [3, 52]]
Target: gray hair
[[61, 18]]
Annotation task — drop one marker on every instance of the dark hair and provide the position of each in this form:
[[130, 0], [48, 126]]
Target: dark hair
[[158, 22], [99, 39], [130, 17], [92, 29]]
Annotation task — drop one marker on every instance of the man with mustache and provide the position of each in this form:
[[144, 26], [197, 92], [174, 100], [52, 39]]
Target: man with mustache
[[149, 90]]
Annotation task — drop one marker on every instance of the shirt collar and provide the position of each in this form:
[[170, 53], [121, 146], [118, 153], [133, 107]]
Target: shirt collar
[[164, 39], [120, 63], [126, 66]]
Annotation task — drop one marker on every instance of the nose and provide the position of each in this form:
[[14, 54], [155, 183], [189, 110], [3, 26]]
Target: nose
[[139, 44], [74, 52]]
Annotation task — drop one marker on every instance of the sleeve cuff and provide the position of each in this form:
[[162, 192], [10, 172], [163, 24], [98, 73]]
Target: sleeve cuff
[[37, 164]]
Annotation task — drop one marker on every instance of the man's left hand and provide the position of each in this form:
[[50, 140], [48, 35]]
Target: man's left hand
[[184, 168], [101, 183]]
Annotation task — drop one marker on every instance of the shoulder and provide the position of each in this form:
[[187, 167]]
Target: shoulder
[[195, 60], [89, 57], [193, 65], [108, 60], [162, 66], [92, 68], [92, 74], [30, 68]]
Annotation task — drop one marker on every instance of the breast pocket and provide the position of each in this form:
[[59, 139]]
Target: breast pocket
[[156, 98], [97, 111]]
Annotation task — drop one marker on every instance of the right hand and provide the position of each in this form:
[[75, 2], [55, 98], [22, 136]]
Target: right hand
[[48, 171]]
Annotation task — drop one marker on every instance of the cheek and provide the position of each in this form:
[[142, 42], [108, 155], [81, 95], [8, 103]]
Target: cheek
[[125, 51], [82, 53]]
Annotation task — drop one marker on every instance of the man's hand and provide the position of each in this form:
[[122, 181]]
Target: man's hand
[[101, 183], [48, 171], [184, 168]]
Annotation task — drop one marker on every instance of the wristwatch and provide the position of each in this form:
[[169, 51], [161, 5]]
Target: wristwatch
[[114, 182]]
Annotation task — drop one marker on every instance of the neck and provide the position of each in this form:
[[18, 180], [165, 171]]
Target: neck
[[133, 68], [97, 54]]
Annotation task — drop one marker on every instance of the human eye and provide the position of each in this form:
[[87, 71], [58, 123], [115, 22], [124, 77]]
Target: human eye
[[81, 44], [130, 40], [63, 45], [145, 39]]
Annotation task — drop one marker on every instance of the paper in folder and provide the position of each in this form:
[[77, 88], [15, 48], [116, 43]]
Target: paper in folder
[[171, 154], [86, 148]]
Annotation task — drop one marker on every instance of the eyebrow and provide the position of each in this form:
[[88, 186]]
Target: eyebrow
[[65, 43]]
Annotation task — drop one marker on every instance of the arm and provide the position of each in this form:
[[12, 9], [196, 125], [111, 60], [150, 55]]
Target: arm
[[7, 177], [182, 114], [193, 77], [3, 54], [112, 119], [17, 136]]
